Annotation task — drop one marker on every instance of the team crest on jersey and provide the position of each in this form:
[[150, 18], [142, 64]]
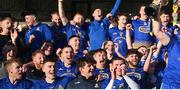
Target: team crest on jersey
[[102, 24], [96, 85], [38, 29], [144, 29]]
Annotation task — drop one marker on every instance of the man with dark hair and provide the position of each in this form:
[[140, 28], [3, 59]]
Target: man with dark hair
[[15, 79], [85, 80], [75, 26], [99, 27], [51, 81], [119, 79], [37, 32], [57, 30], [142, 30], [171, 75]]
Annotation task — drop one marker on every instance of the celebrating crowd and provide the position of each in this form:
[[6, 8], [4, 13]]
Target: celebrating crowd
[[110, 52]]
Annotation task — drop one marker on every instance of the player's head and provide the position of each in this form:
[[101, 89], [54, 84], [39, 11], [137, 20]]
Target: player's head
[[30, 18], [143, 50], [86, 67], [97, 14], [49, 68], [100, 57], [133, 57], [6, 24], [55, 18], [142, 12], [38, 58], [108, 46], [122, 20], [74, 42], [165, 17], [67, 54], [14, 68], [9, 51], [78, 19], [118, 63]]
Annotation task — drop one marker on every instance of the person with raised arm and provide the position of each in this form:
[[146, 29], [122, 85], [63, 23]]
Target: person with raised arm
[[99, 27]]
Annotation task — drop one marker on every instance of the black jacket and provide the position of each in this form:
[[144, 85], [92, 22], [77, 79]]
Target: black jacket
[[82, 83]]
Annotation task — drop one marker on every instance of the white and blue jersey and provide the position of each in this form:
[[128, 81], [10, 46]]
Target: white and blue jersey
[[119, 36], [142, 33], [98, 33], [105, 73], [98, 30], [71, 30], [41, 32], [119, 83], [21, 84], [171, 74], [137, 73], [78, 55], [59, 83], [65, 71]]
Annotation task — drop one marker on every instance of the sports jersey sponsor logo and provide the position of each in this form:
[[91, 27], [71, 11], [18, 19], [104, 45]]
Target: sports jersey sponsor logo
[[104, 75], [144, 29], [68, 74], [135, 74]]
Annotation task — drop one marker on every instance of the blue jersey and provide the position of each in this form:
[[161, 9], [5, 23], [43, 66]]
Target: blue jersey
[[171, 73], [119, 36], [71, 30], [98, 30], [78, 55], [59, 36], [170, 30], [118, 84], [142, 33], [21, 84], [105, 73], [41, 32], [64, 71], [57, 84], [137, 73]]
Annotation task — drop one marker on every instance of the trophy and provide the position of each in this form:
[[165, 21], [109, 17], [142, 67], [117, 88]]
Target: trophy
[[154, 8], [175, 12]]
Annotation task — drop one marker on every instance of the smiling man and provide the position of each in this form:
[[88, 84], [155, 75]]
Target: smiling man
[[15, 79], [85, 80], [51, 81]]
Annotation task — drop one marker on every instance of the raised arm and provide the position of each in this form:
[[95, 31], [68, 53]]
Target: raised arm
[[148, 60], [156, 53], [163, 37], [128, 36], [115, 8], [62, 13], [116, 46]]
